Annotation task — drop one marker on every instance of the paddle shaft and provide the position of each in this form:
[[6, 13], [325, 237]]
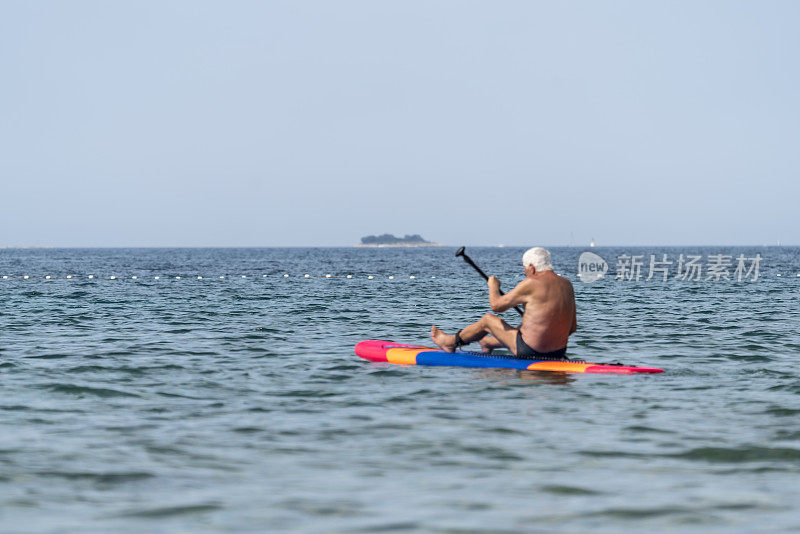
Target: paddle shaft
[[483, 274]]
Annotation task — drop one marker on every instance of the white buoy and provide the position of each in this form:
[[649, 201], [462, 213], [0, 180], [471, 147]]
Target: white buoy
[[264, 276], [48, 277], [132, 277], [391, 277], [221, 277], [199, 277], [5, 277], [243, 276], [306, 276], [432, 277], [113, 278], [370, 277], [285, 275], [90, 276], [177, 278], [349, 276], [69, 276], [412, 277], [779, 274], [156, 277], [327, 276]]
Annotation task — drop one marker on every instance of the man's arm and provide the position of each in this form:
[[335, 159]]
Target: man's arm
[[500, 303]]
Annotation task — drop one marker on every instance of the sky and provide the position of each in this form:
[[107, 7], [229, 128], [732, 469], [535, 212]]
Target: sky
[[314, 123]]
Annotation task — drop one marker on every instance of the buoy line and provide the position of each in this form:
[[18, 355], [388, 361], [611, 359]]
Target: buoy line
[[326, 276], [196, 277]]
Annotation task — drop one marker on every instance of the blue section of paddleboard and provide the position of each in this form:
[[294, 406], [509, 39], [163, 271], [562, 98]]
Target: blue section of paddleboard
[[466, 359]]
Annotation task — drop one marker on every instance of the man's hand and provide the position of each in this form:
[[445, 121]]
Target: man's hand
[[493, 283]]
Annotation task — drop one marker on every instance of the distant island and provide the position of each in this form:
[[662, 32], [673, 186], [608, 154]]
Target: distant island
[[389, 240]]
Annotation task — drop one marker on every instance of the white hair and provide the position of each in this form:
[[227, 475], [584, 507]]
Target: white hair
[[539, 258]]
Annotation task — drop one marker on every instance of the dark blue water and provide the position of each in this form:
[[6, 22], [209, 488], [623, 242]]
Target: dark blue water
[[237, 404]]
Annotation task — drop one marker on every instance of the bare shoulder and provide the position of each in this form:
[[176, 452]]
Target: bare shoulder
[[556, 281], [565, 281], [528, 285], [566, 284]]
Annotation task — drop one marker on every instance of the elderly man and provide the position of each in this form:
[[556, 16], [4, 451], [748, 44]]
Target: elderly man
[[549, 317]]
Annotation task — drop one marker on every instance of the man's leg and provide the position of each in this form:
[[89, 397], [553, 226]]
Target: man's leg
[[489, 343], [488, 324]]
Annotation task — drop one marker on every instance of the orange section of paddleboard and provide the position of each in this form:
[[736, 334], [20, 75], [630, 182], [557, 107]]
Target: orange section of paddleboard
[[403, 356], [567, 367]]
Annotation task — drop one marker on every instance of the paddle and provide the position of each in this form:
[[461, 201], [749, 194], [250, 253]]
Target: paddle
[[460, 253]]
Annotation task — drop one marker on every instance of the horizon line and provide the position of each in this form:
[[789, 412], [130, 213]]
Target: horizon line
[[50, 247]]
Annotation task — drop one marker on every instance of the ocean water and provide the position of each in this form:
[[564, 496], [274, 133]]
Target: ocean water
[[236, 404]]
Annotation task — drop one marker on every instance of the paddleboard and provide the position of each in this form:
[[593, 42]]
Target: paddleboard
[[399, 353]]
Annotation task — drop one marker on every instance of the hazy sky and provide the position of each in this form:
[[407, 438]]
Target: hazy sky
[[194, 123]]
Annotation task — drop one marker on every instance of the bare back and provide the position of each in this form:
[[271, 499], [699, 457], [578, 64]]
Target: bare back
[[549, 311]]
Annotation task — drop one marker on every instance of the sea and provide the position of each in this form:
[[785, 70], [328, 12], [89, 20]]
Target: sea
[[216, 390]]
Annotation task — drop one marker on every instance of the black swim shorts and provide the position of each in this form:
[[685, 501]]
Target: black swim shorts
[[524, 351]]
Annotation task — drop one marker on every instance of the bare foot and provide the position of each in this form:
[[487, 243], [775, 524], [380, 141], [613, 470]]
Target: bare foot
[[446, 342], [486, 345]]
